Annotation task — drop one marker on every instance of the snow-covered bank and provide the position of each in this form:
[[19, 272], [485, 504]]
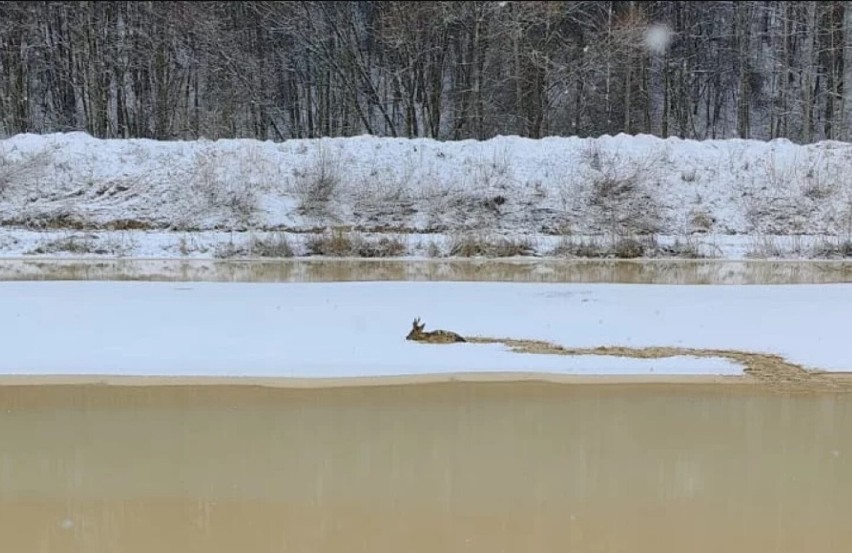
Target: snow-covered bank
[[554, 196], [358, 329]]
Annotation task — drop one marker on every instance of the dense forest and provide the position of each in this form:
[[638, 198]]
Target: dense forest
[[444, 70]]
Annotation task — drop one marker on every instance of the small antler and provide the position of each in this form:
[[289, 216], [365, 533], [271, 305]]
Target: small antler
[[416, 321]]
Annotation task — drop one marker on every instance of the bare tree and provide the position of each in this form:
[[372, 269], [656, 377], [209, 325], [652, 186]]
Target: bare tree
[[446, 70]]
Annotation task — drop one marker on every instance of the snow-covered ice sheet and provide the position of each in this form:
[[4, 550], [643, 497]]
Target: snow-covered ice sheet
[[358, 329]]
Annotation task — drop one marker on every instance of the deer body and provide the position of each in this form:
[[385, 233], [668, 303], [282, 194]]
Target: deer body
[[435, 336]]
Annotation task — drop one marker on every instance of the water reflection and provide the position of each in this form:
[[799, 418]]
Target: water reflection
[[326, 270], [449, 467]]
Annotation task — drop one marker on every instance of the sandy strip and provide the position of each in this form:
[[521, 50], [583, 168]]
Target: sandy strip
[[301, 383], [765, 368]]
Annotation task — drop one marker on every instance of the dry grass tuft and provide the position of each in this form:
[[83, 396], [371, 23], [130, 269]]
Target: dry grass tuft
[[477, 244]]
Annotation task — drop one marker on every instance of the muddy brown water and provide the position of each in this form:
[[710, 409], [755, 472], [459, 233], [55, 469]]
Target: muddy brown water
[[510, 270], [452, 467]]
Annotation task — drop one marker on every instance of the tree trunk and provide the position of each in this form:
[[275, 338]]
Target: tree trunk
[[846, 109]]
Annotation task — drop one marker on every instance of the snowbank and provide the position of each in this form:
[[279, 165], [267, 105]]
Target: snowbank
[[531, 191]]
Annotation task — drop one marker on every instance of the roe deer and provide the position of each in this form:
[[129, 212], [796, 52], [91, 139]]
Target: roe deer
[[435, 336]]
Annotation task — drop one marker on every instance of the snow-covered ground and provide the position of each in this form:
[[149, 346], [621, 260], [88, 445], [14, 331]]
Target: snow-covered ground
[[60, 193], [358, 329]]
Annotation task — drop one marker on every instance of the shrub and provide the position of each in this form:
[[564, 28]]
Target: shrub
[[276, 245], [482, 245]]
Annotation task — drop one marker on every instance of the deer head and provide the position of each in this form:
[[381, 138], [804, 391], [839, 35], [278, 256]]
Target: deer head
[[416, 329]]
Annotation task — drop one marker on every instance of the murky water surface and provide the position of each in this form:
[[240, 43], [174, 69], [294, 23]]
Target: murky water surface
[[472, 467], [520, 270]]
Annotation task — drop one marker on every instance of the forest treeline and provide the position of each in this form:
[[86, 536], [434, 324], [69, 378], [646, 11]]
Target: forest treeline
[[445, 70]]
